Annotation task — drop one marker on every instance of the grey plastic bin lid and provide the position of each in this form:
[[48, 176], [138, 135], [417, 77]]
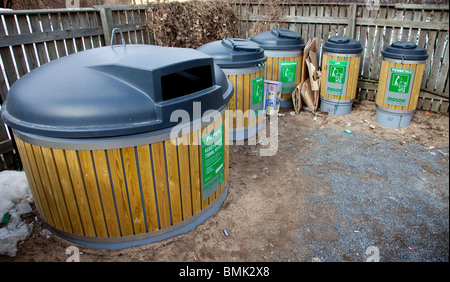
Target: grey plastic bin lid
[[234, 52], [405, 50], [342, 45], [105, 92], [279, 39]]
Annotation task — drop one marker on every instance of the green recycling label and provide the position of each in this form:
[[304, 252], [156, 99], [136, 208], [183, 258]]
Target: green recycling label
[[213, 170], [399, 86], [336, 78], [257, 94], [287, 72]]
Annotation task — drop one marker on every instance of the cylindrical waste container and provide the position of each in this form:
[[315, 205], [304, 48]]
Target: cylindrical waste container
[[284, 51], [341, 59], [123, 146], [401, 76], [242, 61]]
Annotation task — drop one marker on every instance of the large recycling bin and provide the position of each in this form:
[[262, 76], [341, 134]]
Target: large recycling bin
[[242, 61], [284, 51], [399, 84], [123, 146], [341, 60]]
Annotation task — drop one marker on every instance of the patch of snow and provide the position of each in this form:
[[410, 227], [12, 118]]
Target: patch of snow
[[15, 199]]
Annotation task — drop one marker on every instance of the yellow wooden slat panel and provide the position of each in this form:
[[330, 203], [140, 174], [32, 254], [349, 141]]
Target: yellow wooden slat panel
[[67, 188], [415, 91], [148, 192], [173, 181], [90, 182], [56, 189], [46, 187], [134, 191], [185, 178], [104, 185], [325, 59], [352, 77], [30, 169], [232, 102], [45, 208], [269, 68], [299, 60], [275, 63], [381, 92], [120, 191], [246, 101], [159, 169], [80, 193], [239, 92]]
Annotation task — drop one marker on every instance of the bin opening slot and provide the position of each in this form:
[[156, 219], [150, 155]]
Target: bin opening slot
[[185, 82]]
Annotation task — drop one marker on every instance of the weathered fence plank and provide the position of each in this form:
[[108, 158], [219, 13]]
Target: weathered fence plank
[[375, 28], [32, 38]]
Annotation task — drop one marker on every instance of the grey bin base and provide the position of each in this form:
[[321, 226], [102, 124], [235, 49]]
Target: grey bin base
[[113, 243], [343, 108], [247, 132], [286, 103], [392, 119]]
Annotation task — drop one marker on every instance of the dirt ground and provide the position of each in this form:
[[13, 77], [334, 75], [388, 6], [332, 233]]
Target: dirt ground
[[276, 211]]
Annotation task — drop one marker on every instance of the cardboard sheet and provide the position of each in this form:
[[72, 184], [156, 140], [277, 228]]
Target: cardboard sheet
[[308, 89]]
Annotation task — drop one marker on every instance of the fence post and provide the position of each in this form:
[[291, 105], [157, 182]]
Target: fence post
[[7, 147], [107, 23], [352, 20]]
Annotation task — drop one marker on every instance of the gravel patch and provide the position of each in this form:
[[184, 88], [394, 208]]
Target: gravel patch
[[387, 200]]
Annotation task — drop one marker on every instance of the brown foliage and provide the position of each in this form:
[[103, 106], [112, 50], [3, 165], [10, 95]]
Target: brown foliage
[[38, 4], [273, 10], [193, 23], [54, 4], [6, 4]]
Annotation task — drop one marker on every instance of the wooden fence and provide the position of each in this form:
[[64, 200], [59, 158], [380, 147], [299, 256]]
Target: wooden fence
[[29, 39], [375, 27]]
